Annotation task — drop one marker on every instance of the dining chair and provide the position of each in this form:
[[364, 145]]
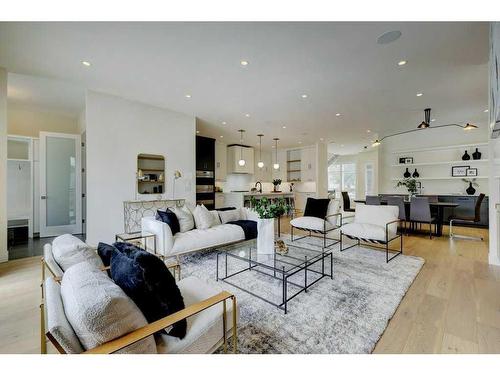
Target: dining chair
[[468, 220], [420, 212], [399, 202], [373, 200], [347, 202]]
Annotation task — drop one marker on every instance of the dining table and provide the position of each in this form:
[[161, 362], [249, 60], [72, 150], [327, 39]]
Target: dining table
[[438, 207]]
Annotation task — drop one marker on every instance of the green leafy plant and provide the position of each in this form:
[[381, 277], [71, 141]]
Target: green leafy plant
[[269, 209], [410, 183]]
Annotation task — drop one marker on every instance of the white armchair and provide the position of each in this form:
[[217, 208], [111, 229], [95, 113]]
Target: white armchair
[[376, 225]]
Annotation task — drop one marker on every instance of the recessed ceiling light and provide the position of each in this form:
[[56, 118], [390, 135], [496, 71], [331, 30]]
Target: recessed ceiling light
[[224, 123], [244, 63], [247, 114], [322, 139], [304, 96], [188, 96], [389, 37], [197, 132], [284, 127], [419, 94], [337, 114], [486, 111], [86, 63], [402, 62], [368, 131], [432, 120], [222, 136]]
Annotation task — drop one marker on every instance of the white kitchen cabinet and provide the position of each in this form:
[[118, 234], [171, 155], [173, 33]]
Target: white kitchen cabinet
[[308, 164], [234, 154], [281, 172], [264, 174], [220, 161]]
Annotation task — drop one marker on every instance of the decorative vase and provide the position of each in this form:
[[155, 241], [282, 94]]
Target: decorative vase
[[476, 155], [416, 174], [275, 189], [470, 190], [466, 156], [407, 174], [265, 239]]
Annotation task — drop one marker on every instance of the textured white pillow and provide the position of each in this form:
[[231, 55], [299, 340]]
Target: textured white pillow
[[216, 218], [202, 217], [99, 311], [185, 217], [69, 250], [230, 215]]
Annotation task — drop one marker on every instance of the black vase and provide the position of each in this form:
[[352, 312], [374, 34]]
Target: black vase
[[416, 174], [476, 155], [466, 156], [407, 174], [470, 190]]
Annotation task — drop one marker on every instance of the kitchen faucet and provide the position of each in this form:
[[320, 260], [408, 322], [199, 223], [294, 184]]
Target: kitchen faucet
[[260, 184]]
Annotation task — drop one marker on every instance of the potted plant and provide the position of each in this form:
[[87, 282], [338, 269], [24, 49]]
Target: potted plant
[[411, 185], [267, 210], [472, 182], [276, 184]]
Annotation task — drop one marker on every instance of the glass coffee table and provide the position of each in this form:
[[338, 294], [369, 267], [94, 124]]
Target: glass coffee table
[[287, 275]]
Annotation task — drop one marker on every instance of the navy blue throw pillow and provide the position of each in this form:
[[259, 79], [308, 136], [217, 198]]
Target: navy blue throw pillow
[[147, 281], [316, 207], [104, 250], [170, 218]]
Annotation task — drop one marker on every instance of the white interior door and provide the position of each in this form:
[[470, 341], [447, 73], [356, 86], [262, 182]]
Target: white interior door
[[60, 184]]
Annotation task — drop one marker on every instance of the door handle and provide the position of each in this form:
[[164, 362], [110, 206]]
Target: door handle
[[43, 197]]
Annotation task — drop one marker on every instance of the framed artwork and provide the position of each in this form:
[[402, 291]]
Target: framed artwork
[[408, 160], [402, 160], [472, 172], [460, 171]]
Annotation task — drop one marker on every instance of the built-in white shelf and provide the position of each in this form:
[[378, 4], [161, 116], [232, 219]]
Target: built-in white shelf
[[427, 149], [441, 178], [441, 163]]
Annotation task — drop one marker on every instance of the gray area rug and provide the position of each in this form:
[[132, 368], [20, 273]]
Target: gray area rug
[[346, 314]]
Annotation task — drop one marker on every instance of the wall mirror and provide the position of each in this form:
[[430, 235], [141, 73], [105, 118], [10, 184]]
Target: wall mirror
[[150, 174]]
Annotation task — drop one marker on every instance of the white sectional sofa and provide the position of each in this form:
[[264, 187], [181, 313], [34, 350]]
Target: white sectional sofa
[[169, 245]]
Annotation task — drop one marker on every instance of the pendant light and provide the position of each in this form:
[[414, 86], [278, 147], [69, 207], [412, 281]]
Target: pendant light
[[242, 161], [427, 119], [260, 164], [276, 164]]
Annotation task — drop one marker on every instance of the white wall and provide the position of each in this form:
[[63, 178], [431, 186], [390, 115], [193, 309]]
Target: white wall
[[425, 139], [29, 121], [3, 165], [117, 130]]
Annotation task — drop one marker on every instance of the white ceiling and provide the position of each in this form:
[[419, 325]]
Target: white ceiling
[[339, 66]]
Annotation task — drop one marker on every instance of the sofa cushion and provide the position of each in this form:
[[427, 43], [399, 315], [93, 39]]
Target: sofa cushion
[[169, 218], [316, 207], [205, 238], [367, 231], [204, 330], [147, 280], [312, 223], [230, 215], [69, 250], [99, 311], [185, 218], [104, 251], [203, 219], [216, 218]]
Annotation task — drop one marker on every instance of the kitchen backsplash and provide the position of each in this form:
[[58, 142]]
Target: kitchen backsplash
[[245, 182]]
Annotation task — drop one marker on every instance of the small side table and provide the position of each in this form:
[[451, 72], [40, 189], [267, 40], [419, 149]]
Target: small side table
[[138, 238]]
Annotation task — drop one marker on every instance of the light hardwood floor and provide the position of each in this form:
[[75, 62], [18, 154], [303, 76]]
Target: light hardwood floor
[[453, 306]]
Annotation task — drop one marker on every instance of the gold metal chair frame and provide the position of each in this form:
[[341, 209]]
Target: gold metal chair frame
[[149, 329]]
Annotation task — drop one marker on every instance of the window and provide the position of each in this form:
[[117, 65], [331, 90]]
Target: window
[[342, 177]]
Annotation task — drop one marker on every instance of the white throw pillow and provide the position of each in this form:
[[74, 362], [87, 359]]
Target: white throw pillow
[[230, 215], [216, 218], [69, 250], [202, 217], [185, 217], [99, 311]]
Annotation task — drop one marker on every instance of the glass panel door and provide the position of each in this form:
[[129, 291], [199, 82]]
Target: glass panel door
[[60, 184]]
